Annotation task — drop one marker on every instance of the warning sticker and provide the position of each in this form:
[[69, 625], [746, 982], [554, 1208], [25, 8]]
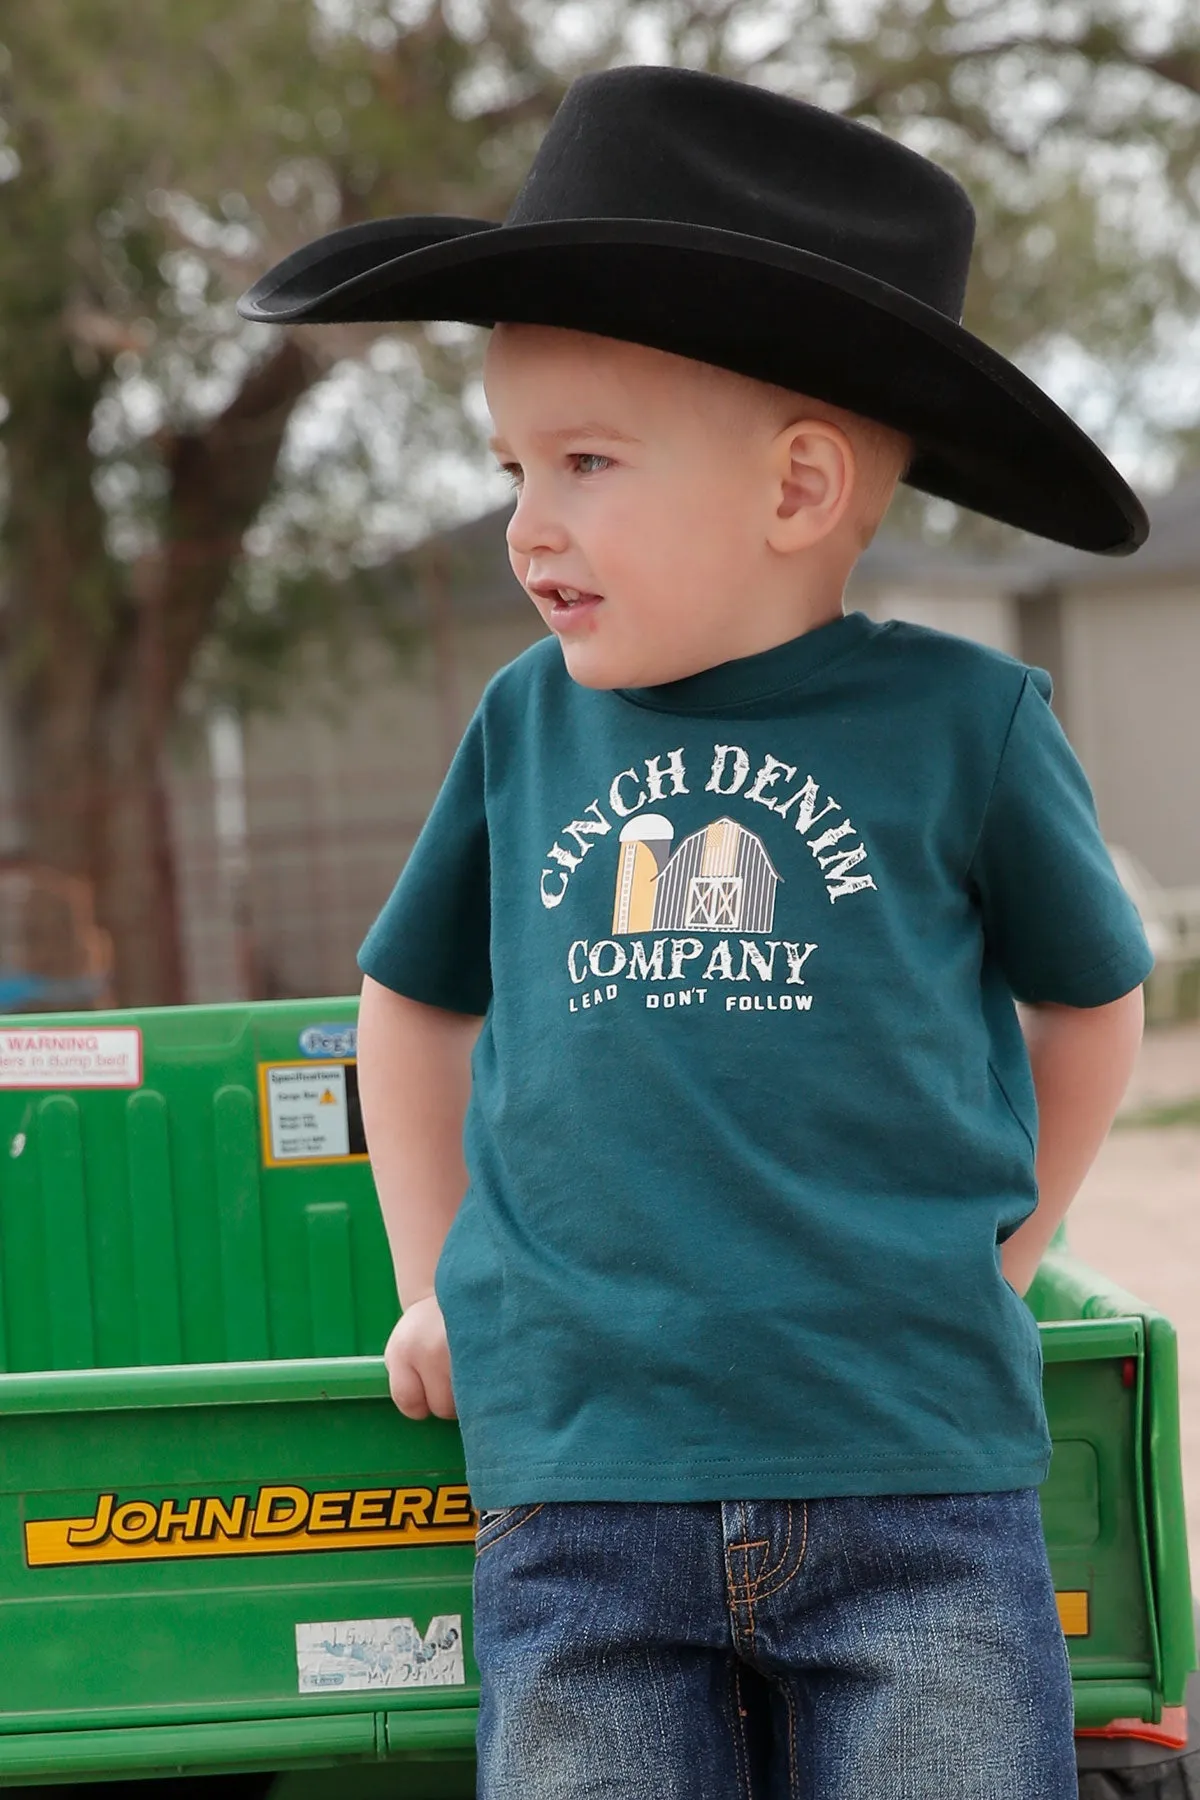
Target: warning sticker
[[350, 1654], [72, 1057], [311, 1112]]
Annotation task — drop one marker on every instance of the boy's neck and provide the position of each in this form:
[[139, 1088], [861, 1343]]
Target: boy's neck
[[741, 647], [769, 628]]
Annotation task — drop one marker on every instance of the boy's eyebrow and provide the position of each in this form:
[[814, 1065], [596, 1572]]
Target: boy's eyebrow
[[590, 428]]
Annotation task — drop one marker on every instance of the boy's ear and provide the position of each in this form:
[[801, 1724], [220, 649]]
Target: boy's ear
[[814, 473]]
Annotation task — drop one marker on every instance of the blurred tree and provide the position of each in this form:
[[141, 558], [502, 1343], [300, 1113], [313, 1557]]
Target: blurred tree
[[144, 422], [153, 159]]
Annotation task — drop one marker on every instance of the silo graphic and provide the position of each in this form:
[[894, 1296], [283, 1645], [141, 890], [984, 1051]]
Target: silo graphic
[[645, 846]]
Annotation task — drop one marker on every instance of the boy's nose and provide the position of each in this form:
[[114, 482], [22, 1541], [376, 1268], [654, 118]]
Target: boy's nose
[[531, 529]]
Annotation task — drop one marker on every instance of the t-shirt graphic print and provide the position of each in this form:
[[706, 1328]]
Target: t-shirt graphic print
[[718, 880], [751, 1111]]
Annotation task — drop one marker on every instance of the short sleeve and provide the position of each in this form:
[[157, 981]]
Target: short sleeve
[[1055, 916], [431, 941]]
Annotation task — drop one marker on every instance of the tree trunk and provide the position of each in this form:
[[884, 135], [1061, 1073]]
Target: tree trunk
[[220, 477], [136, 893], [97, 659], [63, 607]]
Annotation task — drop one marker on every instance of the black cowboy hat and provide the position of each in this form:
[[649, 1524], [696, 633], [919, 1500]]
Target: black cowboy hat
[[734, 226]]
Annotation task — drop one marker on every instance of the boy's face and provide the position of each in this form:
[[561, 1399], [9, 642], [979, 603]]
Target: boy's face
[[646, 488]]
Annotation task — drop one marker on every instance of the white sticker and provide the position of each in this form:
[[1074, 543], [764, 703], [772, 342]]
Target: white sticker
[[329, 1040], [350, 1654], [70, 1056], [308, 1113]]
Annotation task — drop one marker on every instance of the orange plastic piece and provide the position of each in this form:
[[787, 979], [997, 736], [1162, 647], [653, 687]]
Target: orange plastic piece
[[1171, 1730]]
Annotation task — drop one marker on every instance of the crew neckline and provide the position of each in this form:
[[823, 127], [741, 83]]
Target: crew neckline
[[761, 675]]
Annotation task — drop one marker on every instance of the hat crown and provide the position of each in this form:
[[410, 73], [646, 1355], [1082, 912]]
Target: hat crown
[[688, 148]]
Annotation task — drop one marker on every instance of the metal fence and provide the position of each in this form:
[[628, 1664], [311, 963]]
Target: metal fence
[[277, 880], [275, 903]]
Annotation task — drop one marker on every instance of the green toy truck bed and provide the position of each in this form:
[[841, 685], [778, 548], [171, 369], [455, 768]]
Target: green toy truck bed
[[1112, 1506], [222, 1549]]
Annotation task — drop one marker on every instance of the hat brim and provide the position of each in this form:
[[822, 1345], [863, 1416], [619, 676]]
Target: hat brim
[[987, 436]]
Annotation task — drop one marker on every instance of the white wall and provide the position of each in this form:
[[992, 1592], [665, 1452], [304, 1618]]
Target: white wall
[[334, 803], [1133, 670], [985, 618]]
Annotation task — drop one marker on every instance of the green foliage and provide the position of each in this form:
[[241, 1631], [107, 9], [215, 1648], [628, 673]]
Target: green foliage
[[153, 158]]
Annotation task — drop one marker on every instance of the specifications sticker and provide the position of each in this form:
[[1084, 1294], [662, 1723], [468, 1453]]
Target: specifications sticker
[[347, 1655], [96, 1056], [311, 1113]]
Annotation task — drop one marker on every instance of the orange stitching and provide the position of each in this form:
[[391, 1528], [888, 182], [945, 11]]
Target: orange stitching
[[482, 1549], [799, 1562], [742, 1759], [740, 1596], [744, 1545], [745, 1583], [750, 1614], [766, 1574]]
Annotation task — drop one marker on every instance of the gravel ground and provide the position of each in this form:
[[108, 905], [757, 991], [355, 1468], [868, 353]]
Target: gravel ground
[[1137, 1217]]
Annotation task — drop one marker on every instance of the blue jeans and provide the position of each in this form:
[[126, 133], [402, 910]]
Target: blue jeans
[[885, 1648]]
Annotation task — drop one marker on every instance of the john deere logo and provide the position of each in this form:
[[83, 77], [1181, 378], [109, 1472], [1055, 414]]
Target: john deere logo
[[275, 1518]]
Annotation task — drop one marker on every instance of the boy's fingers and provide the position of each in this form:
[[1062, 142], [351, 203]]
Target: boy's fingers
[[441, 1399], [408, 1391], [418, 1366]]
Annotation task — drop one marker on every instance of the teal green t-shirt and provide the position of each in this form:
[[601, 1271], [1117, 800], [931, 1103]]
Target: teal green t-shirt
[[751, 1108]]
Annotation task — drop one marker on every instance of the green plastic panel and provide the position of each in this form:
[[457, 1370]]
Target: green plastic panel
[[149, 1225], [173, 1617], [1091, 1513], [194, 1291], [1113, 1505]]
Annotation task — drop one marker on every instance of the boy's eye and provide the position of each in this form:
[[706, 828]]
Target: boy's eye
[[584, 462]]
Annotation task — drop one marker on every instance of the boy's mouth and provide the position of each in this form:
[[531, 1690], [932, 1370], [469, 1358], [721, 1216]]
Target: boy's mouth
[[565, 602]]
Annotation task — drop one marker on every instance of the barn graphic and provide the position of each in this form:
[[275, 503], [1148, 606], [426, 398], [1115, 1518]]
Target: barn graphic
[[718, 879]]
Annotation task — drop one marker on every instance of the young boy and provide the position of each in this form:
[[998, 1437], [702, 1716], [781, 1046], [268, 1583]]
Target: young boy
[[713, 938]]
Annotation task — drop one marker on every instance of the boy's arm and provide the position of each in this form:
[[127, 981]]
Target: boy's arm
[[414, 1080], [1081, 1058]]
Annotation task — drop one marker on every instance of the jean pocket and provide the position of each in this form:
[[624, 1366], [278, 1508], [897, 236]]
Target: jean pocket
[[495, 1524]]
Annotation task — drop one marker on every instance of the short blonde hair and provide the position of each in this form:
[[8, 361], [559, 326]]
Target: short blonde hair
[[883, 454]]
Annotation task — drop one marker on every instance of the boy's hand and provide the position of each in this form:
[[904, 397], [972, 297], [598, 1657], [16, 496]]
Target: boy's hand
[[418, 1362]]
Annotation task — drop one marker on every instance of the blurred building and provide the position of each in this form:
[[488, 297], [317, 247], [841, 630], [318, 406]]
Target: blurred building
[[1121, 639], [337, 786]]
